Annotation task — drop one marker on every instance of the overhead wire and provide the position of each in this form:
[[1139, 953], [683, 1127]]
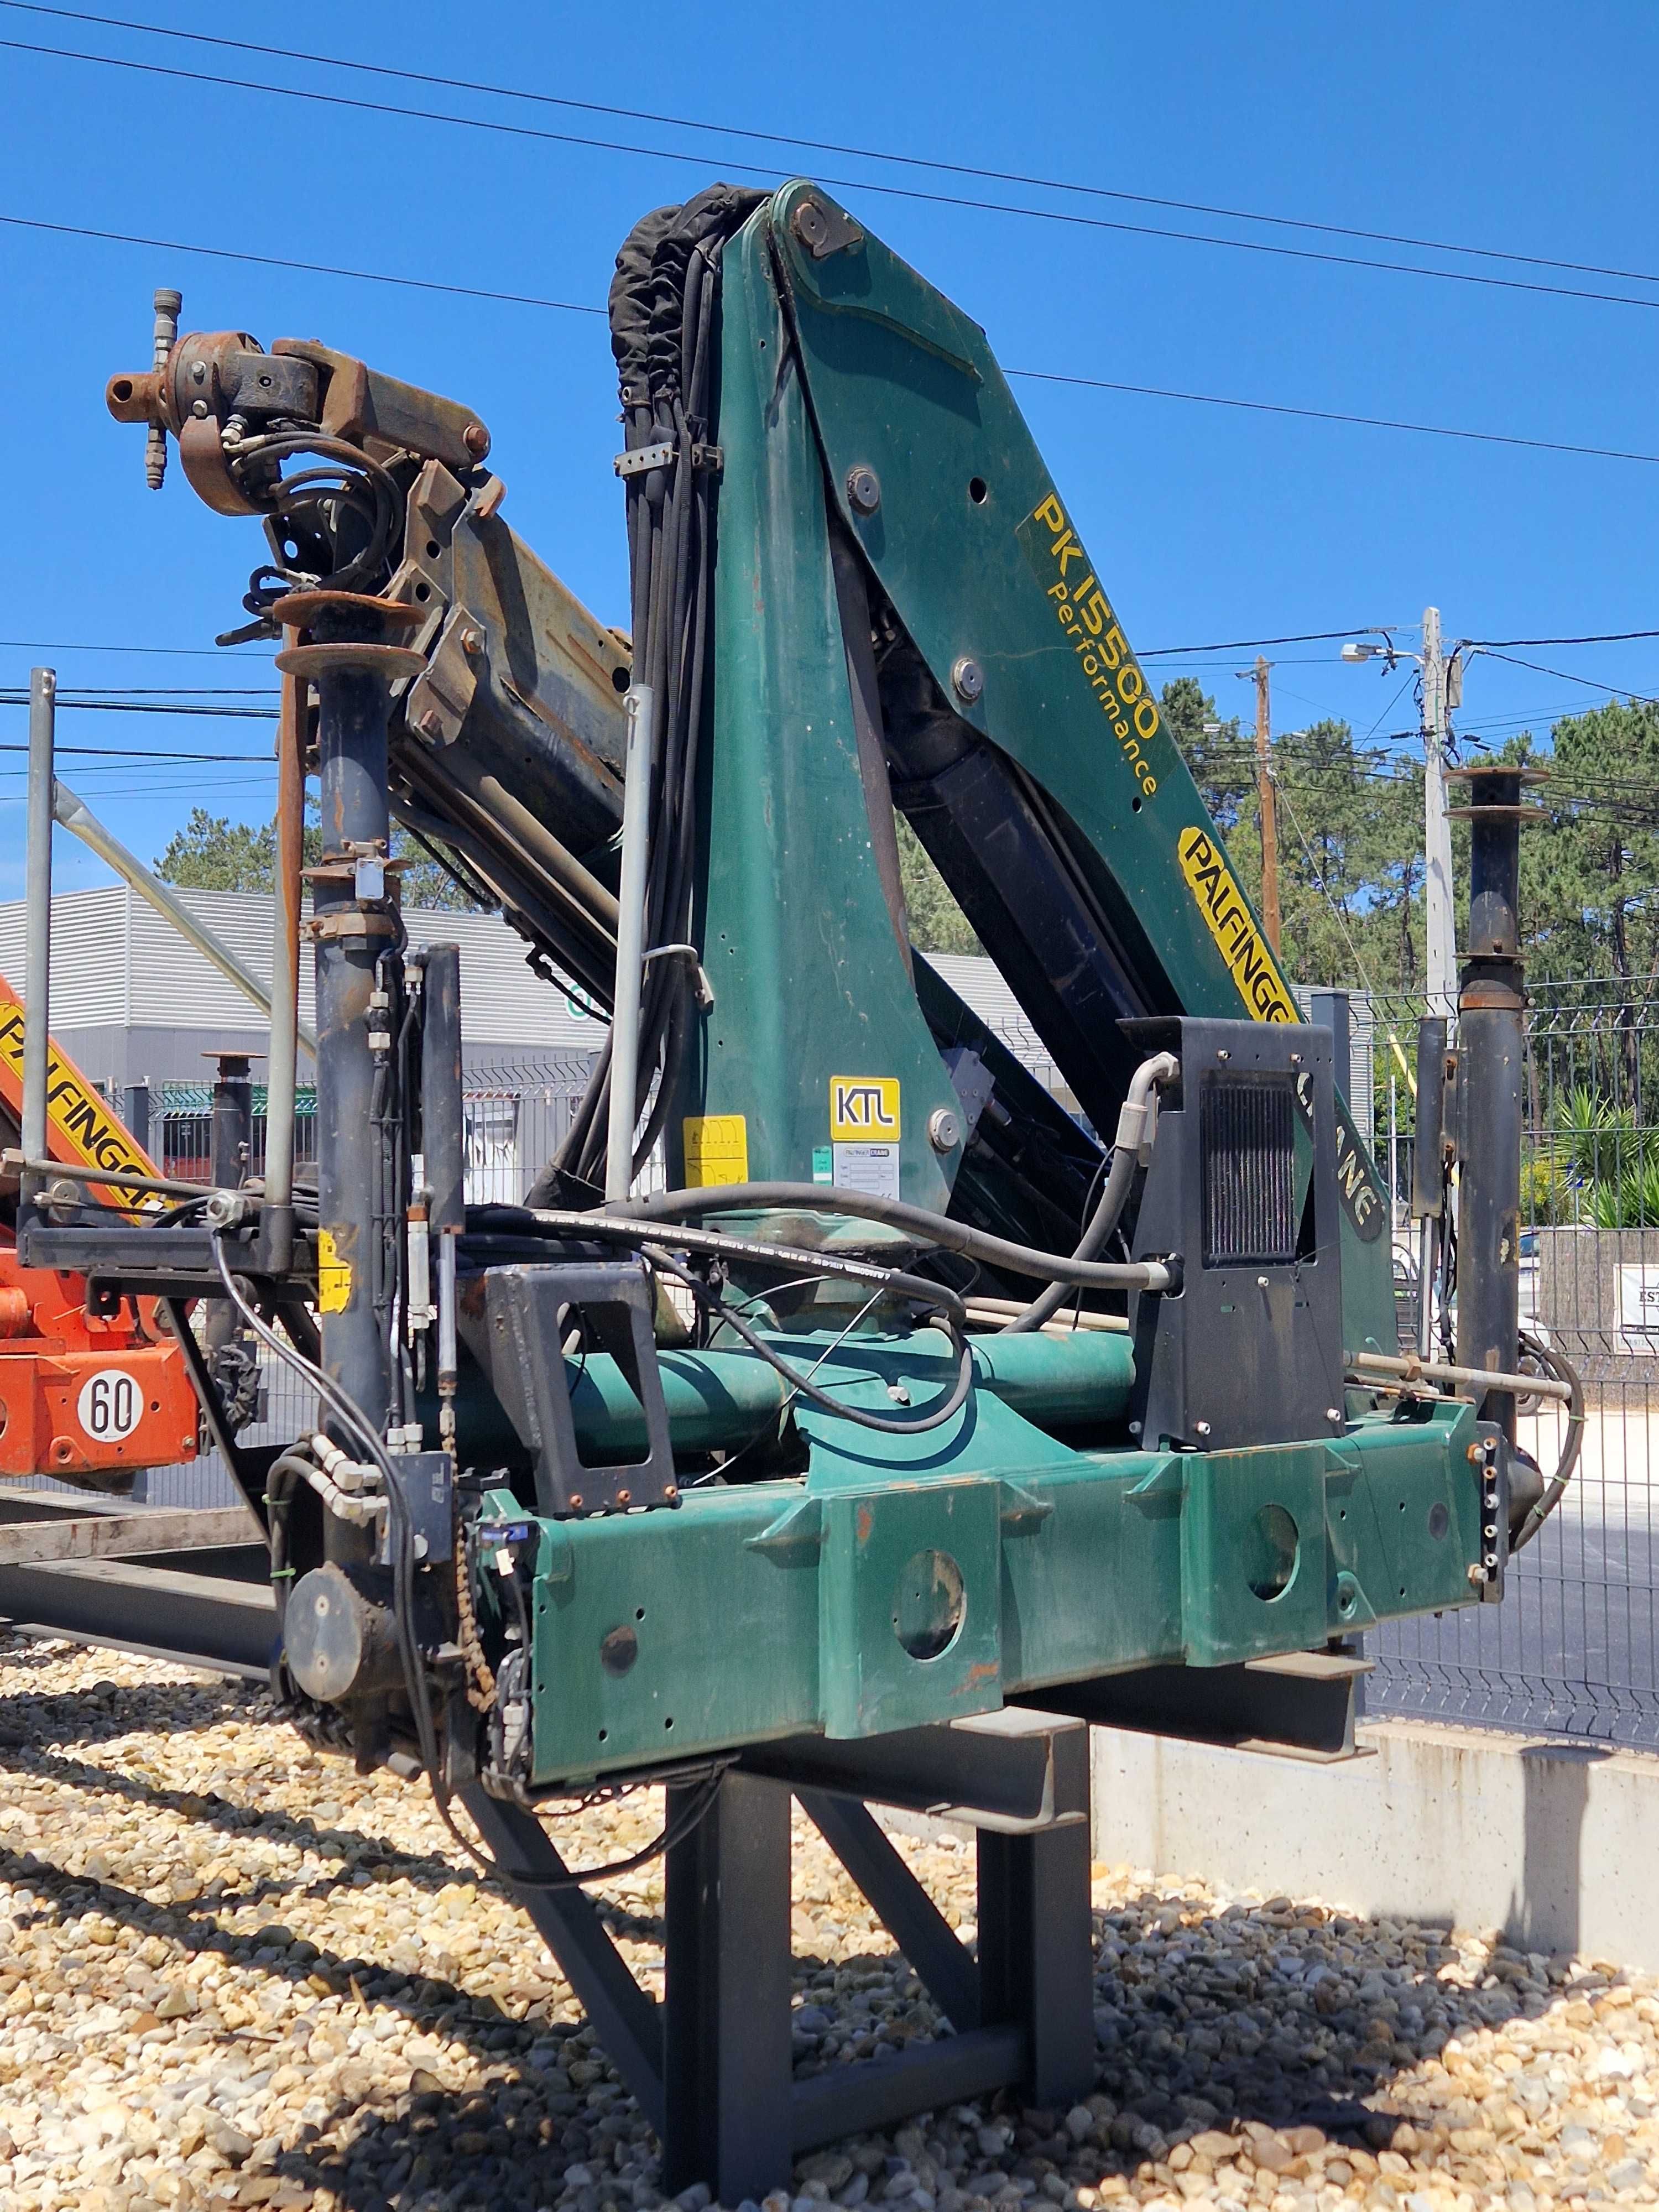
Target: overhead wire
[[403, 112], [180, 652], [81, 703], [1590, 683], [303, 268], [1247, 644], [1332, 415], [1492, 644], [1030, 375], [126, 756], [935, 163]]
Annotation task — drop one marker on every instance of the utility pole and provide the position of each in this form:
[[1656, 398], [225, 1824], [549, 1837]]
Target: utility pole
[[1264, 784], [1436, 829]]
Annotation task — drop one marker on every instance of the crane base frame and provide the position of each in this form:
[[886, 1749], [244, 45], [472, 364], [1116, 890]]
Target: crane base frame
[[710, 2063]]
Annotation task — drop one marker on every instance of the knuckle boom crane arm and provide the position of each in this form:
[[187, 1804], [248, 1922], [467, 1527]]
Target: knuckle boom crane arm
[[548, 1525]]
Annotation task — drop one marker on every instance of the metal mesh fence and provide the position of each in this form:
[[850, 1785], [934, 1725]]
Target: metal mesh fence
[[1571, 1650]]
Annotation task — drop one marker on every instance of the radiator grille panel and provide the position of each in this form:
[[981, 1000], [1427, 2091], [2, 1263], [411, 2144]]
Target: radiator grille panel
[[1246, 1137]]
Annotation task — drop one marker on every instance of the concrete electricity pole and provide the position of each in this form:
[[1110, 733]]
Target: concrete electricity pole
[[1264, 784], [1437, 829]]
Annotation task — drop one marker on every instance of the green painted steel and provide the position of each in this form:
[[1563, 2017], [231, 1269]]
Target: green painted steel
[[1025, 1542], [721, 1401], [809, 982], [972, 544]]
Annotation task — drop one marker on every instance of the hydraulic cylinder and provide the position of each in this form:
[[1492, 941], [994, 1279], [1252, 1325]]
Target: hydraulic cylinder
[[1489, 1006]]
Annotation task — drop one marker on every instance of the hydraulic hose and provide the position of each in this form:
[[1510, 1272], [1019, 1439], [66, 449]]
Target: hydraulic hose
[[934, 1229], [1555, 1489], [802, 1386], [1137, 1122]]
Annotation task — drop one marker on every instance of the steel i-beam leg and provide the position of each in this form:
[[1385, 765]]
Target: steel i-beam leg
[[568, 1922], [1035, 1952], [727, 2045]]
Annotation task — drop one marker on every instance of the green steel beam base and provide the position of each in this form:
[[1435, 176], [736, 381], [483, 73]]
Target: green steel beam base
[[907, 1581]]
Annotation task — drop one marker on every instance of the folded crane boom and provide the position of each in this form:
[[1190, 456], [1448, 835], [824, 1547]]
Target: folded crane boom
[[789, 1471]]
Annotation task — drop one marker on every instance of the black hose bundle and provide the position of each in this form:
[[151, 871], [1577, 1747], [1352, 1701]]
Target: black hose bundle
[[334, 525], [665, 332]]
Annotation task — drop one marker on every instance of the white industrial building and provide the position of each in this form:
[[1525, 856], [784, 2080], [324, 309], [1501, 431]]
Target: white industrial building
[[144, 1014], [138, 1008], [134, 1004]]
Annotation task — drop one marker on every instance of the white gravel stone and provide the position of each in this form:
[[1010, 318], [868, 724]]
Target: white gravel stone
[[233, 1972]]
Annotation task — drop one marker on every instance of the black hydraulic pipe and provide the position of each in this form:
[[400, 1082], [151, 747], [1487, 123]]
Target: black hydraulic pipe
[[443, 1136], [443, 1146], [1428, 1178], [1489, 1006], [230, 1146], [1429, 1170]]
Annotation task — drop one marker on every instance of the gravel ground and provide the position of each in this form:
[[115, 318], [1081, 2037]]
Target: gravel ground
[[231, 1972]]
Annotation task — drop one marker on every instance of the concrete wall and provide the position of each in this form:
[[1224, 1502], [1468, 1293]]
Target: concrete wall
[[1552, 1842], [1578, 1300]]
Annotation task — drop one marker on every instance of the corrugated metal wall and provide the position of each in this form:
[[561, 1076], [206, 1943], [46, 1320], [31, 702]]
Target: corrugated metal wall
[[116, 963]]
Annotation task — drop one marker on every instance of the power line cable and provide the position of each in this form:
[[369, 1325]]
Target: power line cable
[[1388, 709], [832, 146], [1493, 644], [85, 706], [358, 104], [1301, 637], [130, 759], [1029, 375], [90, 693], [305, 268], [1589, 683], [180, 652], [1324, 414]]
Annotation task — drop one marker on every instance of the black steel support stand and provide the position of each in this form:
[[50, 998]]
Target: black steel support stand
[[711, 2066], [726, 2061]]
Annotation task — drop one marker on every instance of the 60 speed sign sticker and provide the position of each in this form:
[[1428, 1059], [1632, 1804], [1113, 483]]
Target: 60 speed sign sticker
[[110, 1406]]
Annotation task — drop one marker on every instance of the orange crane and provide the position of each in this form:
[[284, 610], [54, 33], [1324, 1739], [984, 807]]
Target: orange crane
[[85, 1397]]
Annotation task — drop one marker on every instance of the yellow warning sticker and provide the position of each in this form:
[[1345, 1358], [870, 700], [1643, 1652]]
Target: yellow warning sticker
[[80, 1126], [862, 1107], [333, 1275], [716, 1150], [1232, 924]]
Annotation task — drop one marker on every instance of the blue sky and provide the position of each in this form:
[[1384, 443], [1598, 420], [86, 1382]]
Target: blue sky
[[1515, 128]]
